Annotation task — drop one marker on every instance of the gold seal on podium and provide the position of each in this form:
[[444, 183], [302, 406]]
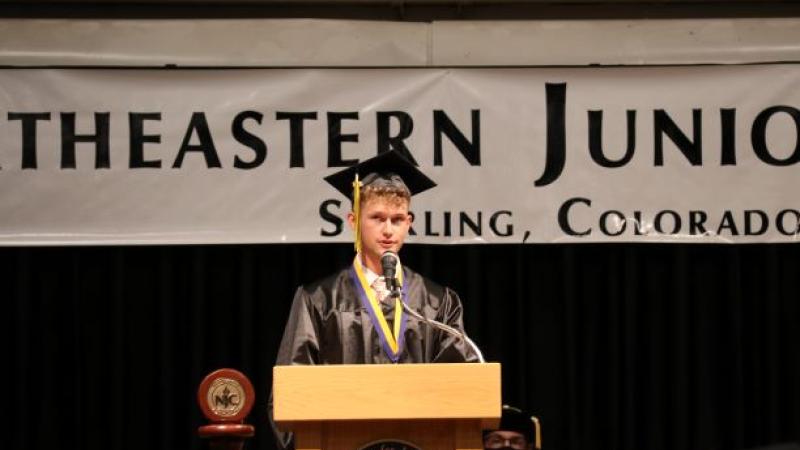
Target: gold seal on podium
[[225, 395], [390, 444]]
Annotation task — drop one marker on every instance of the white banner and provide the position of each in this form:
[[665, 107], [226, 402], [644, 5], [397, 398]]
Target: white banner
[[697, 154]]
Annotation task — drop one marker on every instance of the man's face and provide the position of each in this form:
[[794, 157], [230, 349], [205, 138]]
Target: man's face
[[505, 439], [384, 226]]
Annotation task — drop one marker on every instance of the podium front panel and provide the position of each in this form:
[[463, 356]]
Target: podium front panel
[[386, 392]]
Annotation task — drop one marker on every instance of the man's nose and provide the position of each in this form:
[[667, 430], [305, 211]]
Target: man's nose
[[388, 227]]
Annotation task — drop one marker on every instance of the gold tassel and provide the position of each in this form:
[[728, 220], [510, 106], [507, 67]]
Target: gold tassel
[[357, 212]]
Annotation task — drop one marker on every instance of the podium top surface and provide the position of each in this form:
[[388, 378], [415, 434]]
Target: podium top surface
[[386, 391]]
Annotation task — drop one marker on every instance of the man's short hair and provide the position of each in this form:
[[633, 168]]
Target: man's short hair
[[389, 187]]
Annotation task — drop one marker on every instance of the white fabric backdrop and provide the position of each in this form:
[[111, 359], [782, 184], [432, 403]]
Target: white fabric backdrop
[[496, 200]]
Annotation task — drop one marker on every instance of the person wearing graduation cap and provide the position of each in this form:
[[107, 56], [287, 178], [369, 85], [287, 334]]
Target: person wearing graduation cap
[[351, 317], [517, 431]]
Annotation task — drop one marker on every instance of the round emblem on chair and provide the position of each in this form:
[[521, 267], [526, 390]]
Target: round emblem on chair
[[390, 444], [226, 395]]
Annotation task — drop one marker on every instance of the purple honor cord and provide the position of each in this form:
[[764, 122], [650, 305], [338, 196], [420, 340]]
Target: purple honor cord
[[362, 295]]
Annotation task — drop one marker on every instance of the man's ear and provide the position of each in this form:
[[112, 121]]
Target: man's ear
[[351, 220], [410, 217]]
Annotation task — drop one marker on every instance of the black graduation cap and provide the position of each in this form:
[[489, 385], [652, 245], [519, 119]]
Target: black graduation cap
[[514, 419], [384, 165]]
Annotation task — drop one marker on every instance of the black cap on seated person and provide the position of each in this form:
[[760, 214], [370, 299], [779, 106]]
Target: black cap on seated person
[[390, 168], [516, 420]]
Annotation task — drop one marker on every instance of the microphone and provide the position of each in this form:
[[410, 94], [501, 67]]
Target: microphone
[[389, 261], [446, 328]]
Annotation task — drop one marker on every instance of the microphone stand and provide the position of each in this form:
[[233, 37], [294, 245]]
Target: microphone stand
[[444, 327]]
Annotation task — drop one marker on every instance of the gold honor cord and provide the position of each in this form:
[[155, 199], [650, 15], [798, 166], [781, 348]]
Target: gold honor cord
[[357, 212], [391, 338]]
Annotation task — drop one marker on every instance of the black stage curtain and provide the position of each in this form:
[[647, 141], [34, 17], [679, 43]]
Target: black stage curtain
[[640, 347]]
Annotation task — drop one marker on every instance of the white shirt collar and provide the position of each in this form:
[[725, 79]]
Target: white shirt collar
[[370, 275]]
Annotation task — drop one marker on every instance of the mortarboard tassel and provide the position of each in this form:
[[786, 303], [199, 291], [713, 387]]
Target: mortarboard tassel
[[357, 211]]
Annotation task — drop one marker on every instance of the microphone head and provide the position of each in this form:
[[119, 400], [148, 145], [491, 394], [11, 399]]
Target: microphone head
[[389, 261], [389, 257]]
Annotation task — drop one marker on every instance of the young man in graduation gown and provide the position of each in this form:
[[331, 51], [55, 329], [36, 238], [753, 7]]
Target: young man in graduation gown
[[352, 317]]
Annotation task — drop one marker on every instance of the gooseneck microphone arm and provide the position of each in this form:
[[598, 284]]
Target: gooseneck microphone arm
[[389, 261], [444, 327]]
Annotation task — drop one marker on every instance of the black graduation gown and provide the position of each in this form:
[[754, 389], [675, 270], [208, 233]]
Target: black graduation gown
[[329, 325]]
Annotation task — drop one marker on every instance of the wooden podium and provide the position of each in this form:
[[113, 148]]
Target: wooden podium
[[348, 407]]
